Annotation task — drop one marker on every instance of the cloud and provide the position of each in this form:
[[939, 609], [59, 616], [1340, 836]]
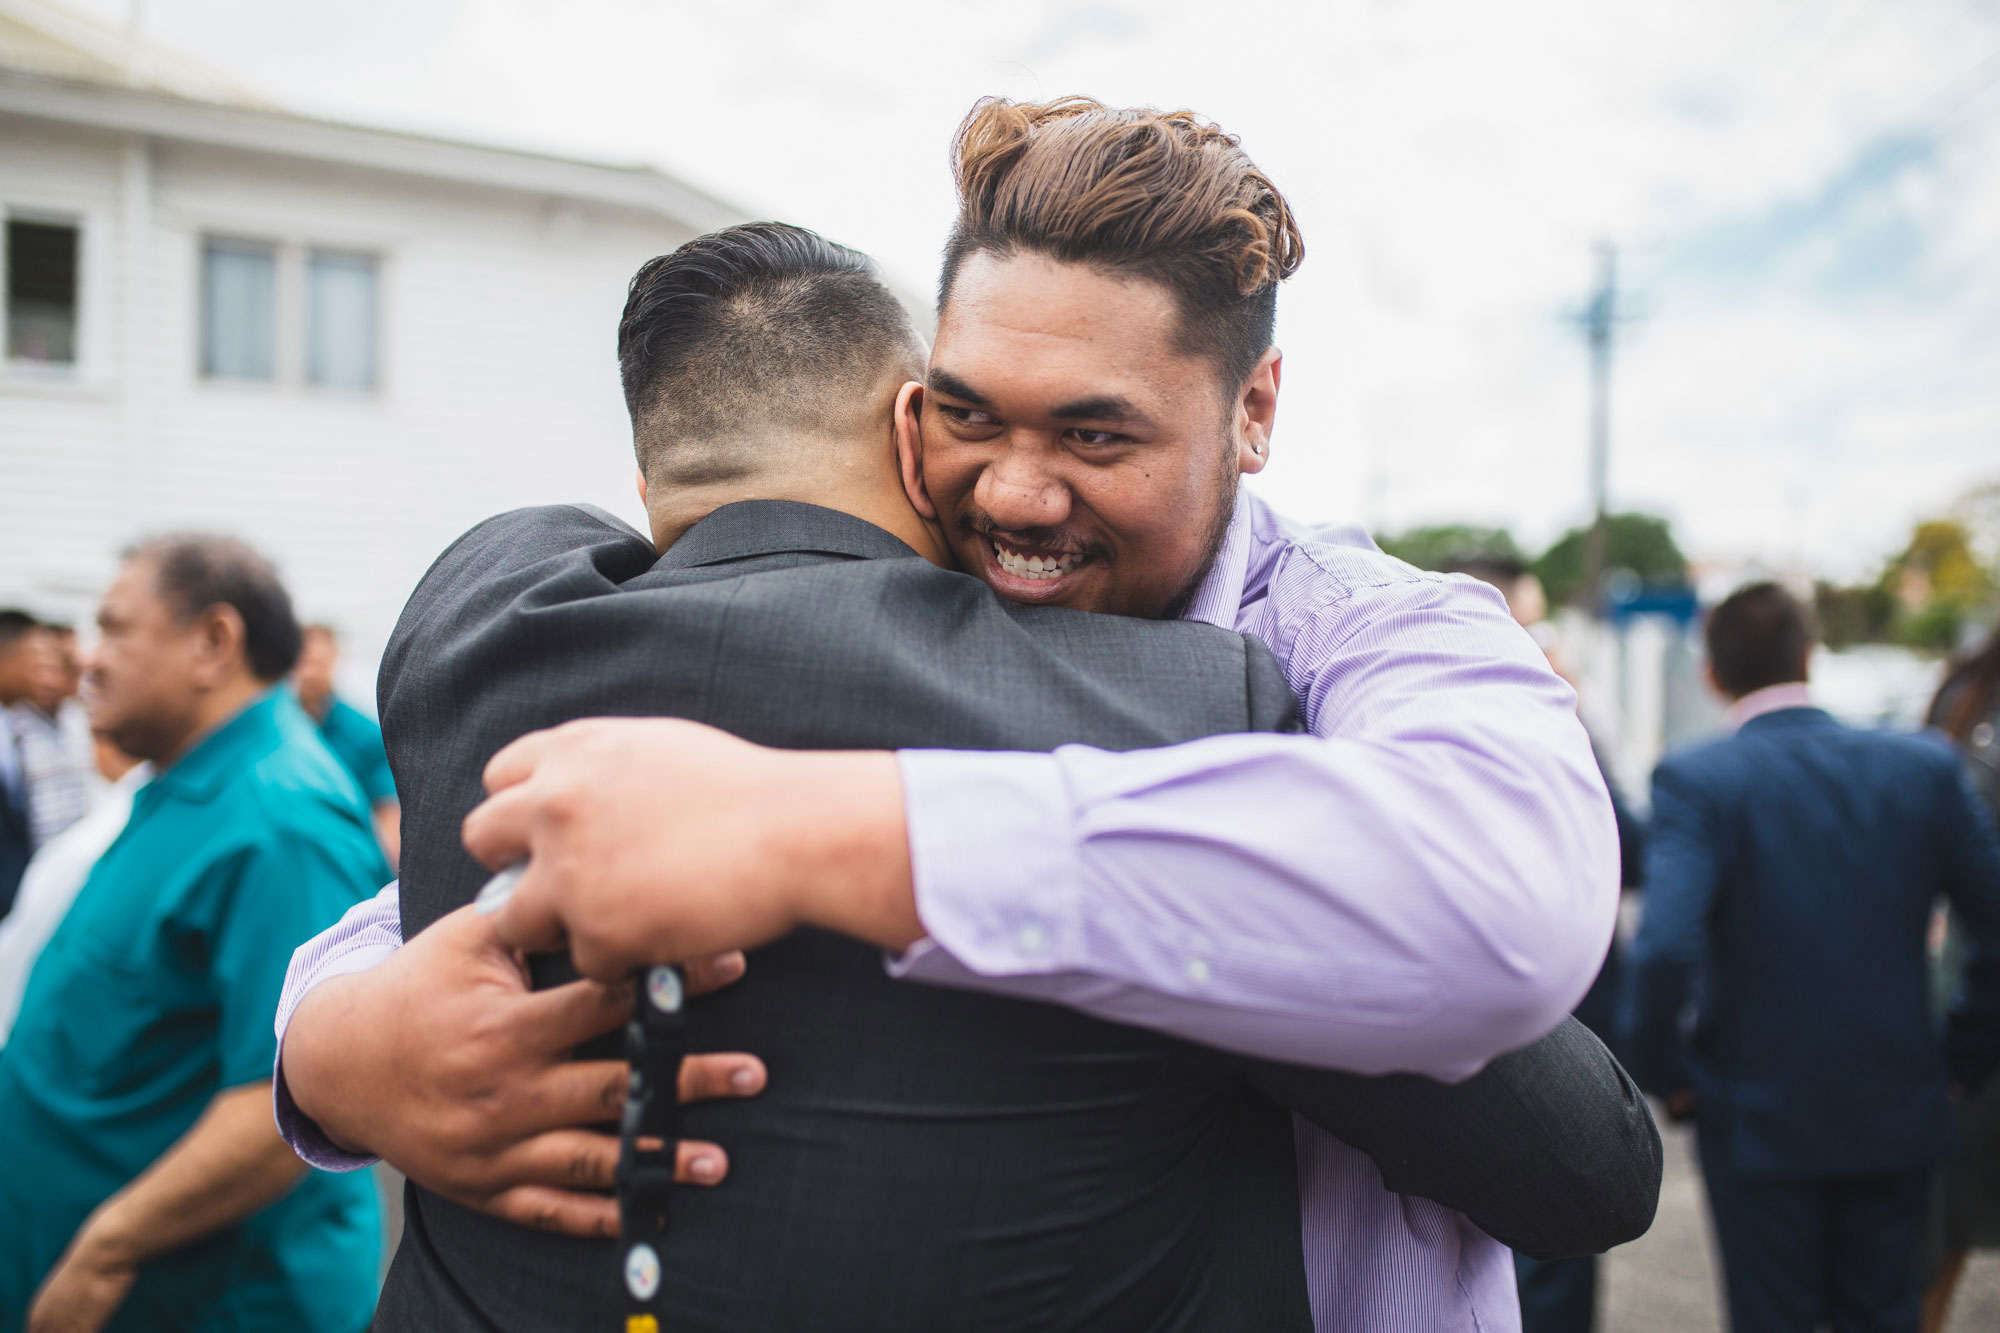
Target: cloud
[[1805, 197]]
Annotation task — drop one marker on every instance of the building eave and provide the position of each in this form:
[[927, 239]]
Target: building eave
[[162, 116]]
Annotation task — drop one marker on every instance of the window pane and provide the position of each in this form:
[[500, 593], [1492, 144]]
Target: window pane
[[239, 310], [41, 292], [340, 320]]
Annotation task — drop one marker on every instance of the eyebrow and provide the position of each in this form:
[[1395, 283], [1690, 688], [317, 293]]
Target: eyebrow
[[952, 386], [1100, 407], [1103, 407]]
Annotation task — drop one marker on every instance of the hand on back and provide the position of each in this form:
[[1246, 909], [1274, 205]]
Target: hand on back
[[444, 1063]]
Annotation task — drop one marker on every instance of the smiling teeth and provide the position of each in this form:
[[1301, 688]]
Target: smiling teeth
[[1036, 566]]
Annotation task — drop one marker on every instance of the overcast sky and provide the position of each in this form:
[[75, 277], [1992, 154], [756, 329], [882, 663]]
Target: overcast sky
[[1806, 194]]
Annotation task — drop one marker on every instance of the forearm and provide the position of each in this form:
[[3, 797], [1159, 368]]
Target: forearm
[[229, 1165], [1550, 1149], [1379, 906]]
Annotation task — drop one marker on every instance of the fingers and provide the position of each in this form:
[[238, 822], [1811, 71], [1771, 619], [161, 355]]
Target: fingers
[[698, 1163], [528, 921], [556, 1170], [592, 1092], [560, 1017], [591, 1216], [703, 975], [496, 832], [707, 1078], [515, 761]]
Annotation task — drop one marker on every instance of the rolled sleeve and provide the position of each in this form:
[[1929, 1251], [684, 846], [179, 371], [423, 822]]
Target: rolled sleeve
[[368, 934]]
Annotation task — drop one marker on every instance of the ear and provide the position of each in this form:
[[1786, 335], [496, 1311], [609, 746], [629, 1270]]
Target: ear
[[1708, 674], [219, 645], [640, 473], [1256, 411], [910, 448]]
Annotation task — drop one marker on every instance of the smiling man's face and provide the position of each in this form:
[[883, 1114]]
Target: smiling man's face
[[1073, 454]]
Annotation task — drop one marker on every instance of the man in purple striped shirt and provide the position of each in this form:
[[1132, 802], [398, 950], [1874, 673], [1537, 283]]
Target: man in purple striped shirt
[[1425, 881]]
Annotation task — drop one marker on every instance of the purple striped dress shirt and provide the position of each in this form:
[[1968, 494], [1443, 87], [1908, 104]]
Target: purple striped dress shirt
[[1424, 881]]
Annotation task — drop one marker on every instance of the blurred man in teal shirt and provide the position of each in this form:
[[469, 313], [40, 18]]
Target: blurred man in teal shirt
[[145, 1185], [351, 734]]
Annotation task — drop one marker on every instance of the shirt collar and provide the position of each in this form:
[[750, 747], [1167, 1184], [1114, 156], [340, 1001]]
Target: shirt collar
[[1770, 699], [1220, 595], [217, 757]]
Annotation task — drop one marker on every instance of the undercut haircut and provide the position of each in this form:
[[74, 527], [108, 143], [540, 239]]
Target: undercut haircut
[[1131, 193], [193, 571], [757, 331], [1757, 637]]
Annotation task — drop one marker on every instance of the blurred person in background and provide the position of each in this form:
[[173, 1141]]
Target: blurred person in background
[[146, 1186], [58, 870], [1560, 1295], [1965, 1209], [20, 668], [351, 734], [54, 740], [1791, 869]]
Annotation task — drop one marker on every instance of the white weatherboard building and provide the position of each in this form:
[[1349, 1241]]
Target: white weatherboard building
[[343, 344]]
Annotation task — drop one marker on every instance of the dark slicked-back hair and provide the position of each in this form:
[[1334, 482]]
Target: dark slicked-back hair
[[1139, 193], [194, 571], [1758, 636], [758, 330]]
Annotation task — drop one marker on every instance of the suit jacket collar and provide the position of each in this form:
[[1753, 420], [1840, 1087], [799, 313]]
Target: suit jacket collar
[[751, 528]]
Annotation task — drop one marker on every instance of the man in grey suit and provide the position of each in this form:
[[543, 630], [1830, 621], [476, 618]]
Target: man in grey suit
[[923, 1158]]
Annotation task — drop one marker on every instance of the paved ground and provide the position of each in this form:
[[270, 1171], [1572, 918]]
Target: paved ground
[[1664, 1282]]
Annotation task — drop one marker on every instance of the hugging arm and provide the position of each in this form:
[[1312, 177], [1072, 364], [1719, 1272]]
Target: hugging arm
[[1550, 1150]]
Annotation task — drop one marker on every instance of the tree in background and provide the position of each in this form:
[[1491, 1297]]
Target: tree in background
[[1861, 614], [1641, 543], [1937, 583], [1445, 543]]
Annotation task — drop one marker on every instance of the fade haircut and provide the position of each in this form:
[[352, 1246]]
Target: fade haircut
[[1132, 193], [756, 331], [193, 571], [1758, 636]]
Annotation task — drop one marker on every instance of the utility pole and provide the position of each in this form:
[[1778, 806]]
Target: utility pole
[[1599, 317]]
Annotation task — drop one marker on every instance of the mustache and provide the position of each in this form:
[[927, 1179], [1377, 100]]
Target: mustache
[[1056, 540]]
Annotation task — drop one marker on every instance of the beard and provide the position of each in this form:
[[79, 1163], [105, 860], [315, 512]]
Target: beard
[[1212, 540]]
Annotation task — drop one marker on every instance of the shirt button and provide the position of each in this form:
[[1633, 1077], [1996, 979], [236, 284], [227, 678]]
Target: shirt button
[[1031, 938], [1197, 970]]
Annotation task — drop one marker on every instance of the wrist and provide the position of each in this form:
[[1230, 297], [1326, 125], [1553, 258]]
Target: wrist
[[847, 857], [312, 1054], [104, 1243]]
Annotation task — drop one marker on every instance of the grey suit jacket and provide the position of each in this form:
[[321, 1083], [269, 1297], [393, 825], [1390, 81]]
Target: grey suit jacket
[[923, 1158]]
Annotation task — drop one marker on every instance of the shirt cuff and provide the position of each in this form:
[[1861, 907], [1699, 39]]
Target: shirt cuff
[[994, 860], [295, 1127]]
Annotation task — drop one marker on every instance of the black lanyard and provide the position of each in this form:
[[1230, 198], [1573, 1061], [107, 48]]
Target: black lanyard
[[655, 1041]]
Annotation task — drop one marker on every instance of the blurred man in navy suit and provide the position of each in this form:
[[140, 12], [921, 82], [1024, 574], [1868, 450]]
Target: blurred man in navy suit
[[1791, 870]]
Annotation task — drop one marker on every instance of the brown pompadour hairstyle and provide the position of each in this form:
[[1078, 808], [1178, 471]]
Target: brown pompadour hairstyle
[[1160, 195]]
